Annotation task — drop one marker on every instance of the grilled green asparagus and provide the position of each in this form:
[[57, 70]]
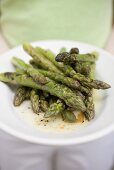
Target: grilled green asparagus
[[73, 51], [68, 116], [90, 108], [51, 86], [74, 84], [70, 59], [83, 68], [43, 103], [39, 78], [55, 109], [34, 64], [57, 87], [39, 58], [90, 111], [55, 76], [34, 98], [69, 71], [28, 93], [20, 95]]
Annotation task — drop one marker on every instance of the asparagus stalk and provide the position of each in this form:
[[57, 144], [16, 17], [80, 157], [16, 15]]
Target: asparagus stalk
[[44, 80], [70, 59], [43, 103], [66, 69], [34, 64], [50, 86], [68, 116], [61, 78], [55, 109], [20, 96], [55, 76], [20, 65], [39, 78], [90, 111], [69, 71], [65, 80], [34, 97], [73, 51], [83, 68], [85, 81], [30, 70], [78, 93], [20, 71], [28, 93], [88, 82], [39, 59]]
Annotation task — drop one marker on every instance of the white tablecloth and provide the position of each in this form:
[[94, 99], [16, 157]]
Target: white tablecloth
[[16, 154]]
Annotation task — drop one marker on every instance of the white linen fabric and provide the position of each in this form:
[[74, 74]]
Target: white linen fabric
[[16, 154]]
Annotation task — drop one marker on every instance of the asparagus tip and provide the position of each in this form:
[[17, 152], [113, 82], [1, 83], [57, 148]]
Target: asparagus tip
[[26, 46], [60, 57]]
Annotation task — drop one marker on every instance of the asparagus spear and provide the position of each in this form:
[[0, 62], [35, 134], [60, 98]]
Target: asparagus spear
[[20, 65], [55, 109], [85, 81], [70, 59], [44, 80], [55, 76], [28, 93], [88, 82], [20, 96], [39, 58], [43, 103], [34, 64], [35, 74], [66, 69], [38, 77], [83, 68], [68, 116], [51, 86], [59, 107], [90, 111], [20, 71], [61, 78], [69, 71], [65, 80], [30, 70], [78, 93], [74, 51], [34, 97]]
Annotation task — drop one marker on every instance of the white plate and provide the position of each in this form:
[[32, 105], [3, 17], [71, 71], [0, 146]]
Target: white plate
[[100, 126]]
